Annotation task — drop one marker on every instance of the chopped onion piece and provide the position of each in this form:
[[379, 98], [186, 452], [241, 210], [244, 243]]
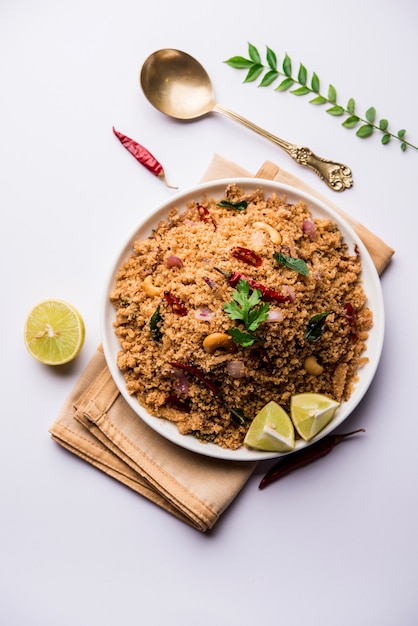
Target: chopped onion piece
[[235, 368], [274, 316], [173, 261], [181, 382], [204, 314], [289, 292], [309, 229]]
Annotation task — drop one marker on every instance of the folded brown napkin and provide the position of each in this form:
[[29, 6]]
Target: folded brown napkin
[[96, 424]]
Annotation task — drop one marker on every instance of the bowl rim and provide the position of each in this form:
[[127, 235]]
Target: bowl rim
[[373, 290]]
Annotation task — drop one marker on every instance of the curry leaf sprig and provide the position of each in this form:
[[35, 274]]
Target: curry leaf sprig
[[301, 85], [247, 308]]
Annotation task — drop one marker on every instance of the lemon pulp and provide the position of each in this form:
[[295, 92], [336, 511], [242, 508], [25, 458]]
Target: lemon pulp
[[311, 412], [271, 430], [54, 332]]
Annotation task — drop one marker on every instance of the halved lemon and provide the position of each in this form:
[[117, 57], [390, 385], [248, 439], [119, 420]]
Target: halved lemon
[[54, 332], [311, 412], [271, 430]]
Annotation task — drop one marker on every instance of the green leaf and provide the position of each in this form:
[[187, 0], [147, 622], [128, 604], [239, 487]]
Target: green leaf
[[271, 59], [253, 73], [351, 121], [301, 91], [241, 205], [315, 326], [238, 416], [154, 325], [332, 94], [239, 63], [336, 110], [299, 86], [351, 105], [318, 100], [246, 307], [298, 265], [285, 84], [241, 337], [287, 65], [254, 54], [302, 74], [269, 78], [315, 83], [371, 115], [365, 131]]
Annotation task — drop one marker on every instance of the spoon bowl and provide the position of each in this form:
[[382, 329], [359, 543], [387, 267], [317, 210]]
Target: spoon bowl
[[176, 84]]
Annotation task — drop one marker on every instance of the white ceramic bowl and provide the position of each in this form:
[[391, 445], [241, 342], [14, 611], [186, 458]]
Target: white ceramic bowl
[[371, 284]]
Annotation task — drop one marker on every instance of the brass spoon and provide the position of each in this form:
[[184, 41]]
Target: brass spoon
[[177, 85]]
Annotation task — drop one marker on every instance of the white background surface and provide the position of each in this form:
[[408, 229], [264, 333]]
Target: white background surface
[[333, 544]]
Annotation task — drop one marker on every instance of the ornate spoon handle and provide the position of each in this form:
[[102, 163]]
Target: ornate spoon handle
[[336, 175]]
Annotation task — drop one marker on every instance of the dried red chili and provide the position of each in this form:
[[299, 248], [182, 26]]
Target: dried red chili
[[205, 216], [351, 317], [143, 156], [175, 303], [197, 373], [247, 256], [177, 403], [303, 457], [267, 294]]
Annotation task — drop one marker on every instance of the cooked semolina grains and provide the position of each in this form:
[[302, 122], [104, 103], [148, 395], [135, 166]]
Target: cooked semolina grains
[[185, 264]]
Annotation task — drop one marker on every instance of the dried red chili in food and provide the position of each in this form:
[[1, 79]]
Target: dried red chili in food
[[143, 156], [247, 256], [205, 216], [175, 303], [302, 457], [197, 373], [177, 403], [267, 294], [351, 317]]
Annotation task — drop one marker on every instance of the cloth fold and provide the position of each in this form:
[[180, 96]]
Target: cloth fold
[[96, 424]]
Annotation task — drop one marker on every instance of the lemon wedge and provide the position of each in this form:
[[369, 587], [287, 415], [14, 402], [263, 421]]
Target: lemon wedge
[[54, 332], [311, 412], [271, 430]]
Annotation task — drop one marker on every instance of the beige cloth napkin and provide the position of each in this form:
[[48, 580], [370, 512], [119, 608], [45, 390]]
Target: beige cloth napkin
[[96, 424]]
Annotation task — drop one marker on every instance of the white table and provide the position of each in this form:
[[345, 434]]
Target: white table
[[333, 544]]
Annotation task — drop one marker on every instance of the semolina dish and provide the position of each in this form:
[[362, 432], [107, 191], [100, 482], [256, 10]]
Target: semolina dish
[[234, 302]]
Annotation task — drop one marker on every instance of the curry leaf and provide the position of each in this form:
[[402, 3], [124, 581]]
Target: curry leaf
[[315, 326], [298, 265], [301, 85], [271, 58], [285, 84], [241, 205], [269, 78]]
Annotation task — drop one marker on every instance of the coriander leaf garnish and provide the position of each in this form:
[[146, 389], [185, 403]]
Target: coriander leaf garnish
[[300, 85], [242, 338], [247, 307], [298, 265], [315, 326], [240, 205]]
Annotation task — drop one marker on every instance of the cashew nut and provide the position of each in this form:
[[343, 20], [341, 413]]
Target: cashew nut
[[312, 366], [274, 235], [149, 287], [218, 341]]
